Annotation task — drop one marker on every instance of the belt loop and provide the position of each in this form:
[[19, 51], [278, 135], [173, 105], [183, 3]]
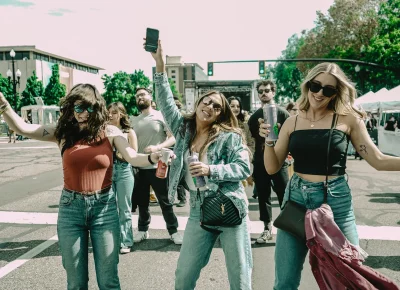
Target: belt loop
[[73, 194], [97, 196]]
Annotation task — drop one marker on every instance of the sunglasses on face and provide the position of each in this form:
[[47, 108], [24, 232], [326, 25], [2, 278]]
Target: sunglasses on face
[[326, 91], [208, 101], [81, 108], [265, 90]]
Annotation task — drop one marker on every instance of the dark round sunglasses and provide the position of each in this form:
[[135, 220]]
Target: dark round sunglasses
[[208, 101], [326, 91], [81, 108]]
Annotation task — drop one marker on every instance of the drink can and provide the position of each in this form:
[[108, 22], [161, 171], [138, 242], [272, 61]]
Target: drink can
[[199, 181], [162, 166], [270, 117]]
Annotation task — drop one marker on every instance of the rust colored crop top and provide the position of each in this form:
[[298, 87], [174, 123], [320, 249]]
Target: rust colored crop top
[[88, 167]]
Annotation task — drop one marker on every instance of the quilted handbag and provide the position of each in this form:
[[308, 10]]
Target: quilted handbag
[[218, 210]]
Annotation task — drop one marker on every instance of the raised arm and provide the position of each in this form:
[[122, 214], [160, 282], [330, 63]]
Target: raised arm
[[16, 123], [164, 96], [368, 150]]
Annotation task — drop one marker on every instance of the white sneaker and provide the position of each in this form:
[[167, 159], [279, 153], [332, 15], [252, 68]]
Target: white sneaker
[[265, 236], [177, 238], [141, 236], [124, 250]]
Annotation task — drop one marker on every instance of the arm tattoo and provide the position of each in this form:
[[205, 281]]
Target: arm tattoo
[[45, 133], [363, 148]]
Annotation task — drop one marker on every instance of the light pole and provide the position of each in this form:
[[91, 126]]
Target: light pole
[[360, 75], [14, 74]]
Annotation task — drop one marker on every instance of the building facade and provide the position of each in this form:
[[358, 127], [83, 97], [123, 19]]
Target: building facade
[[29, 59], [179, 71]]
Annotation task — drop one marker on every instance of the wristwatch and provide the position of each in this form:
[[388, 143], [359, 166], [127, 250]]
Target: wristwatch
[[270, 144]]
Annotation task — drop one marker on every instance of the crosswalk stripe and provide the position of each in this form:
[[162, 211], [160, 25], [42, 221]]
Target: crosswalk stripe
[[384, 233]]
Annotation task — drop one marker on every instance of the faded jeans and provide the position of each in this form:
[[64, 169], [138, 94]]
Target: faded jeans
[[123, 182], [290, 252], [80, 217], [198, 244]]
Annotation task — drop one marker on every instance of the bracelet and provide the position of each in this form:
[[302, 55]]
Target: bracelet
[[149, 158], [270, 144], [4, 108]]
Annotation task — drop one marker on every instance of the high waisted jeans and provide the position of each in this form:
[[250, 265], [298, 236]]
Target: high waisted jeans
[[290, 253], [123, 186], [78, 218], [198, 244]]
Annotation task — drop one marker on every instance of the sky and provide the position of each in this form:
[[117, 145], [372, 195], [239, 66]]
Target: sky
[[109, 34]]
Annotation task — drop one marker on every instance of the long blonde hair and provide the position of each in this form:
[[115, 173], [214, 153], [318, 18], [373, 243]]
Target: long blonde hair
[[343, 102], [226, 122]]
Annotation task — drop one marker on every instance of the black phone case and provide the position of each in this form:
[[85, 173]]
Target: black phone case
[[151, 46]]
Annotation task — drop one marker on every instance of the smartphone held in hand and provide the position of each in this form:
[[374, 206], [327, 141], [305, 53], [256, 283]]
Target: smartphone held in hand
[[151, 44]]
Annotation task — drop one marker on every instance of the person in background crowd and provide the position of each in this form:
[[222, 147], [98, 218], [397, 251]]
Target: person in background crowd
[[391, 124], [180, 189], [292, 108], [264, 181], [123, 180], [154, 105], [11, 134], [153, 134], [327, 93], [235, 103], [87, 206], [213, 132]]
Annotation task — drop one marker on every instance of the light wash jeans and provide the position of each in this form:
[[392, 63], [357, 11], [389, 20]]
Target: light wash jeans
[[198, 244], [290, 252], [78, 218], [123, 182]]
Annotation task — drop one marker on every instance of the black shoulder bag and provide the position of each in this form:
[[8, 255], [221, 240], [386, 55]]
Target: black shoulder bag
[[292, 217]]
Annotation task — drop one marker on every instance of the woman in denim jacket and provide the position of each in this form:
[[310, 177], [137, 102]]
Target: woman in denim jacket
[[212, 131]]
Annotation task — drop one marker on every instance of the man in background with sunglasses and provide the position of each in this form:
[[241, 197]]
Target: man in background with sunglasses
[[153, 134], [262, 180]]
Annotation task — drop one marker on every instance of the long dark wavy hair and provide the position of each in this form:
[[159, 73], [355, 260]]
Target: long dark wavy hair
[[226, 122], [124, 118], [240, 117], [68, 128]]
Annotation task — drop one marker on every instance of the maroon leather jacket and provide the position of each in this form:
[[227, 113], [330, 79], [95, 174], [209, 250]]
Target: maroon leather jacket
[[335, 262]]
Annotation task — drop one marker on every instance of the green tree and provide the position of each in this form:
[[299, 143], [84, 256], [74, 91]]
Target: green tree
[[174, 89], [288, 77], [54, 90], [34, 88], [121, 86], [7, 89]]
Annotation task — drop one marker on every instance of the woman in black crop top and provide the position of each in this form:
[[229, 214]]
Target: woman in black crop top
[[326, 93]]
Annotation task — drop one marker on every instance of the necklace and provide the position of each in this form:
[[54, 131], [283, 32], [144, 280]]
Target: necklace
[[315, 121]]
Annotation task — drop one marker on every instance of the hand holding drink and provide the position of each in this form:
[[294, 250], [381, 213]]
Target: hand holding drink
[[199, 181], [163, 162]]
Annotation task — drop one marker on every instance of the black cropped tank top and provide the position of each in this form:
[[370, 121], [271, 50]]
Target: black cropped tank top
[[309, 150]]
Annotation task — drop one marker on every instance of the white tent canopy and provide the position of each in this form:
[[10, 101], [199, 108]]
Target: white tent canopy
[[383, 99]]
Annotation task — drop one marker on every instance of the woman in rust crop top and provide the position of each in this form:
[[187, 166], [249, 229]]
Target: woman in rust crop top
[[87, 204], [326, 101]]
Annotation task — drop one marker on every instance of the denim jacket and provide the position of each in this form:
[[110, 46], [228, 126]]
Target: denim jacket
[[227, 157]]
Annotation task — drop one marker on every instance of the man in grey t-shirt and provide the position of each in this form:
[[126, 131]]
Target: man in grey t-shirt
[[152, 134]]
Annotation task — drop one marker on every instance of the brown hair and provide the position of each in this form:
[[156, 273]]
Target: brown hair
[[266, 83], [226, 122], [124, 118], [68, 128]]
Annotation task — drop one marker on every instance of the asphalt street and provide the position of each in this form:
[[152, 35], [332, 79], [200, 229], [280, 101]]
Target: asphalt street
[[30, 185]]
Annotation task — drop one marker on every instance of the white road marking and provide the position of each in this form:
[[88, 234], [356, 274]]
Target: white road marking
[[383, 233], [27, 256]]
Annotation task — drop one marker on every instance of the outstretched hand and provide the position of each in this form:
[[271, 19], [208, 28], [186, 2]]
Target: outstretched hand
[[3, 100]]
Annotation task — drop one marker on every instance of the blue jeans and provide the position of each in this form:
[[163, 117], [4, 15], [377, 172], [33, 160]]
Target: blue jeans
[[198, 244], [290, 252], [78, 218], [123, 182]]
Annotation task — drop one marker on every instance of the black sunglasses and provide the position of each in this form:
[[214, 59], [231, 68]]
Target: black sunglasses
[[326, 91], [265, 90], [81, 108], [208, 101]]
